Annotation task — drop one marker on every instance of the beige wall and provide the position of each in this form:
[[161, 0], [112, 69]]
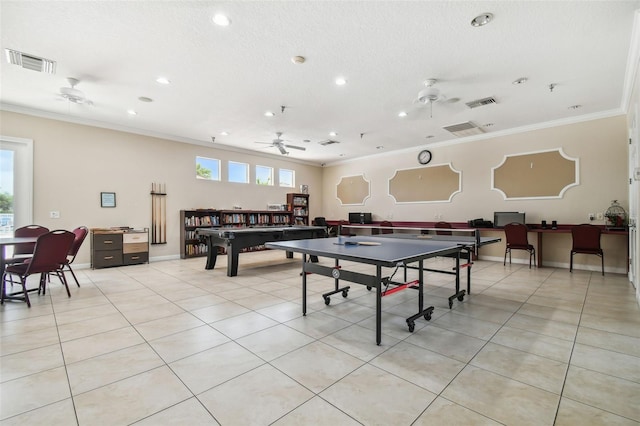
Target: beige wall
[[74, 163], [600, 145]]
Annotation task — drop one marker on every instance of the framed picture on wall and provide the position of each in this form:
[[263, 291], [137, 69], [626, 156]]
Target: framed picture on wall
[[107, 199]]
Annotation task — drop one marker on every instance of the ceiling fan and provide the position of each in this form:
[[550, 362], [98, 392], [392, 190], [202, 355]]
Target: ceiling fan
[[280, 144], [74, 95], [428, 96]]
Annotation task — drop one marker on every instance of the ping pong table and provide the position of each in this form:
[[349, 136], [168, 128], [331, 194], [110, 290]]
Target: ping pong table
[[381, 251], [234, 240]]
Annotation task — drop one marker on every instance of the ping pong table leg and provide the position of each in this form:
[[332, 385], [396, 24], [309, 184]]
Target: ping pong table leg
[[304, 285], [378, 304], [426, 313]]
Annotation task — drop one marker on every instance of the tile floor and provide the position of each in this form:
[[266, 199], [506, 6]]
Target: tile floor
[[169, 343]]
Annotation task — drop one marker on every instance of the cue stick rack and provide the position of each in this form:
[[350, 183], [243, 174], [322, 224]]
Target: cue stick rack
[[158, 213]]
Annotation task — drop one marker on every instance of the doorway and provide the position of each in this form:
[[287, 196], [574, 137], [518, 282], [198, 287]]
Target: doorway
[[16, 183]]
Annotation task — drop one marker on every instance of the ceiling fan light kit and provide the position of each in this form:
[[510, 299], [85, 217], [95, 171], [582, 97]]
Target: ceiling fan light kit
[[71, 93]]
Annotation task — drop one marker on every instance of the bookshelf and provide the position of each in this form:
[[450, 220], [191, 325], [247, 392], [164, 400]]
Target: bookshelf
[[191, 220], [298, 205]]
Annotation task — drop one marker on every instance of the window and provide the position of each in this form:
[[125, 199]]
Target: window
[[264, 175], [207, 168], [238, 172], [287, 178]]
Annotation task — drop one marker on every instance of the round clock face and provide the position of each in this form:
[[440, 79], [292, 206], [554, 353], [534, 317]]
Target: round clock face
[[424, 157]]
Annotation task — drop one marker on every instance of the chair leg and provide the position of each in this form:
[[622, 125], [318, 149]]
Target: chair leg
[[63, 278], [505, 257], [602, 261], [3, 288], [74, 275], [571, 263], [23, 281]]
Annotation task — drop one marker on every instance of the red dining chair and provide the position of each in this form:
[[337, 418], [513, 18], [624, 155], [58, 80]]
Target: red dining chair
[[80, 234], [516, 234], [586, 240], [49, 256], [443, 225], [25, 250]]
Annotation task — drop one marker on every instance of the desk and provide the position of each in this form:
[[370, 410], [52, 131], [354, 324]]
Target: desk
[[234, 240], [389, 253]]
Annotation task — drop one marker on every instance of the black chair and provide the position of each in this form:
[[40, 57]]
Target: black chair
[[586, 240], [516, 234], [321, 221], [49, 256]]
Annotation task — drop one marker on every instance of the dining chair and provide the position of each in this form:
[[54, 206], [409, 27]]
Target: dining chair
[[516, 234], [80, 234], [321, 221], [49, 256], [24, 251], [443, 225], [586, 240]]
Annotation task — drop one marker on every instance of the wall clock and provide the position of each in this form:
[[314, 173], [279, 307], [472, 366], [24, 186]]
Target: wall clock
[[424, 157]]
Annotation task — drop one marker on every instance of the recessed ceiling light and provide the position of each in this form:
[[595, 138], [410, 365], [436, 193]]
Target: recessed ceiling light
[[222, 20], [131, 112], [224, 133], [521, 80], [333, 134], [163, 80], [298, 60], [145, 99], [341, 81], [481, 20], [402, 114], [269, 114]]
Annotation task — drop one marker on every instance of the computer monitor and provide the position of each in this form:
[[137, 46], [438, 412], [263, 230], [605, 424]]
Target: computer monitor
[[500, 219], [360, 218]]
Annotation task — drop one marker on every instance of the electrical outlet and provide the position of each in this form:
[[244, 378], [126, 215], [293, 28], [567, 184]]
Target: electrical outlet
[[591, 216], [54, 214], [599, 216]]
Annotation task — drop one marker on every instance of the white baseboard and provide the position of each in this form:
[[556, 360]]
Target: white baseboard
[[560, 265]]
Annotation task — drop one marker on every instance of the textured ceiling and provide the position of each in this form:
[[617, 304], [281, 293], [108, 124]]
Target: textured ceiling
[[225, 78]]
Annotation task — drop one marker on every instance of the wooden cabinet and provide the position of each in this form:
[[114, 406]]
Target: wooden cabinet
[[191, 220], [117, 247], [298, 205]]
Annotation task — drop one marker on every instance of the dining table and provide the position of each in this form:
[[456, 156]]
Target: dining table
[[11, 241]]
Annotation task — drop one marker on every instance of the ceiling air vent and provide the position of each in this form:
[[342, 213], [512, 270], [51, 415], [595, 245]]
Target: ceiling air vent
[[481, 102], [328, 142], [30, 62], [464, 129]]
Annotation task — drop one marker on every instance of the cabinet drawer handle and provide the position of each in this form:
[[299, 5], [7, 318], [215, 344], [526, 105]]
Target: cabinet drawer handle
[[135, 257], [108, 241], [108, 257]]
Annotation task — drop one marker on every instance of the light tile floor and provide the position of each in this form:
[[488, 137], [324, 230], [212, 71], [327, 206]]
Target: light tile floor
[[169, 343]]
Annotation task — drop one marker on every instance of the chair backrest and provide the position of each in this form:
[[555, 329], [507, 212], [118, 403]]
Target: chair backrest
[[80, 234], [320, 221], [27, 231], [516, 234], [586, 237], [51, 251], [443, 225], [385, 225]]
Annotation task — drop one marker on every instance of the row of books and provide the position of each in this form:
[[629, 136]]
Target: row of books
[[202, 221], [195, 249]]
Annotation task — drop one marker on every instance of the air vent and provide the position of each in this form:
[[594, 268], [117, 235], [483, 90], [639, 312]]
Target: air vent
[[464, 129], [328, 142], [30, 62], [481, 102]]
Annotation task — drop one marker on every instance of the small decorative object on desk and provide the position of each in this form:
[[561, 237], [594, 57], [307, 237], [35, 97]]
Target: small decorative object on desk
[[616, 216]]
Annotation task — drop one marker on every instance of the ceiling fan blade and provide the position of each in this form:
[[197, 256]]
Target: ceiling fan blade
[[282, 150], [301, 148]]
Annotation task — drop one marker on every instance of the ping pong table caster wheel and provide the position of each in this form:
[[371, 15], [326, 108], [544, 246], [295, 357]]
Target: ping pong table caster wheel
[[412, 326], [460, 298], [345, 293], [327, 300], [427, 316], [369, 288], [450, 303]]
